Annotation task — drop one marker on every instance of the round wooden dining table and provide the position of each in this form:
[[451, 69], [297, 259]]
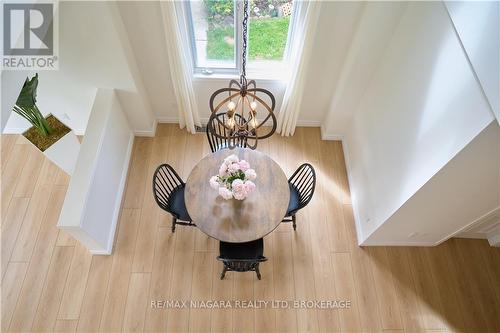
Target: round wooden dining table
[[237, 221]]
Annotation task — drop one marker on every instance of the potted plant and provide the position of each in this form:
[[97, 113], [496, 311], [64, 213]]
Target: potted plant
[[51, 136]]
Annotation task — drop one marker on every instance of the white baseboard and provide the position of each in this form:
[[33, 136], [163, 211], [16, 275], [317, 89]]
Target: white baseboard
[[426, 244], [480, 228], [491, 216], [308, 123], [332, 137], [473, 235], [100, 252], [494, 240], [204, 121], [167, 120], [147, 133]]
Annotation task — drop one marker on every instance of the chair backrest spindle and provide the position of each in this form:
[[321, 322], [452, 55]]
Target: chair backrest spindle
[[165, 181], [217, 143], [304, 181]]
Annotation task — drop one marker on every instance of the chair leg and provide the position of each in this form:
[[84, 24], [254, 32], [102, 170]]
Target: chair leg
[[257, 271], [224, 270], [293, 222], [173, 223]]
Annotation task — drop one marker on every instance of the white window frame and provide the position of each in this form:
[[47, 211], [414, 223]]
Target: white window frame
[[274, 69]]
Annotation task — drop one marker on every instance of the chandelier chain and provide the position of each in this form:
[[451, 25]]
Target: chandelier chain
[[245, 37]]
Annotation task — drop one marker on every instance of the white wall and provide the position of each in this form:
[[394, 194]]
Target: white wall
[[421, 107], [478, 25], [92, 204], [335, 29], [143, 24], [93, 54], [373, 32], [465, 188], [11, 84]]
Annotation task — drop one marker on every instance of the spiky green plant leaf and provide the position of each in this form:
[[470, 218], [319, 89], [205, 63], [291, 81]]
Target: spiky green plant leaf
[[27, 96], [26, 106]]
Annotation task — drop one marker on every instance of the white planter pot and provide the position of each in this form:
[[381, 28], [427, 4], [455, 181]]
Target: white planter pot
[[64, 152]]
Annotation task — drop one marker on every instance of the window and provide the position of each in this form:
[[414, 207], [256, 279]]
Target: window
[[216, 39]]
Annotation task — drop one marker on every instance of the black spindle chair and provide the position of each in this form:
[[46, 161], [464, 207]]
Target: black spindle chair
[[241, 257], [168, 190], [302, 184], [217, 143]]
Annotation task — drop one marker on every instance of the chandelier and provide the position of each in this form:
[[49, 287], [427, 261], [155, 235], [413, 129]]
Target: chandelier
[[241, 105]]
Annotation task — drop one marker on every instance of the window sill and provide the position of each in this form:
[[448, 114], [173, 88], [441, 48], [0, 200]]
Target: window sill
[[260, 75]]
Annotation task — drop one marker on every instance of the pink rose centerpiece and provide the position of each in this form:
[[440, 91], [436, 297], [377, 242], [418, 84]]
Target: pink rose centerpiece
[[234, 179]]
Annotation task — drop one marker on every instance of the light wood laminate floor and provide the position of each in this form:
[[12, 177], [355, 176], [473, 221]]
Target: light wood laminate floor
[[51, 283]]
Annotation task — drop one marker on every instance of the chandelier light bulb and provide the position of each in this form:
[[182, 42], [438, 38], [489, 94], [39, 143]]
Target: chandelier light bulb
[[254, 123], [230, 122], [253, 106], [231, 106]]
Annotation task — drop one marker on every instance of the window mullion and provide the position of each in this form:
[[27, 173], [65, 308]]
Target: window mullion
[[188, 20]]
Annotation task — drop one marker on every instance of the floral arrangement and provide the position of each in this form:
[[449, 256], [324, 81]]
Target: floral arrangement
[[234, 179]]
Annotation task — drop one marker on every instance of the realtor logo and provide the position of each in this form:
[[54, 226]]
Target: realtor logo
[[29, 35]]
